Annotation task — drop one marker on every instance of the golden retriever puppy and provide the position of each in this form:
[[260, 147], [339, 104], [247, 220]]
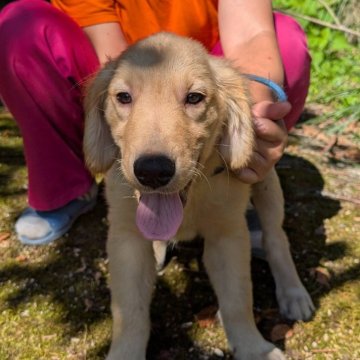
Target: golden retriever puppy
[[154, 120]]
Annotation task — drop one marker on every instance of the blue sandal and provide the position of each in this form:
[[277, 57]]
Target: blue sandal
[[42, 227]]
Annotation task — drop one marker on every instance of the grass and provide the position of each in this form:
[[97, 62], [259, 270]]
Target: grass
[[335, 73], [54, 300]]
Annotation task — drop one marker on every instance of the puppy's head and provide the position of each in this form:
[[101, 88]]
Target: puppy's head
[[161, 107]]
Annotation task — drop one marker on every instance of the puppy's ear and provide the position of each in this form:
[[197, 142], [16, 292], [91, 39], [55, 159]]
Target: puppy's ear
[[237, 143], [99, 148]]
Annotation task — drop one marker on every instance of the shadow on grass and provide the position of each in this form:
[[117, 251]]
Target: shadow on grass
[[70, 276], [11, 160], [73, 271], [11, 156]]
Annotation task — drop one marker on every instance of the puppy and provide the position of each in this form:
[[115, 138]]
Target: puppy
[[154, 120]]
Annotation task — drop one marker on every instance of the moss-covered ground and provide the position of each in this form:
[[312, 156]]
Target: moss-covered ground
[[54, 300]]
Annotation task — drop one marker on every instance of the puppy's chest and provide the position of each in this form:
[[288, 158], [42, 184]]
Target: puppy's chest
[[189, 228], [212, 202]]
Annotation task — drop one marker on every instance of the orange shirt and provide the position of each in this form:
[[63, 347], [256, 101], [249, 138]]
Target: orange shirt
[[140, 18]]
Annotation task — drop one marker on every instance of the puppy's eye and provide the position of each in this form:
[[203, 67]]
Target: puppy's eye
[[124, 98], [194, 98]]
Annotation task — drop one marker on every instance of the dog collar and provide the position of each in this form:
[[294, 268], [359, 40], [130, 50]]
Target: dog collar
[[275, 88]]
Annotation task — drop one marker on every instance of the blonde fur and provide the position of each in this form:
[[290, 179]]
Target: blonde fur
[[159, 72]]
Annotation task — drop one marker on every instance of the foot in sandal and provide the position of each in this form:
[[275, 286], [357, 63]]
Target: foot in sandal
[[42, 227]]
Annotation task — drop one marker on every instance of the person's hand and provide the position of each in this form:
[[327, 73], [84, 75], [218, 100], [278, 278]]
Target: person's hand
[[270, 140]]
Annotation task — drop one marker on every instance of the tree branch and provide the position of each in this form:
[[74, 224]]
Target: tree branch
[[322, 23], [330, 11]]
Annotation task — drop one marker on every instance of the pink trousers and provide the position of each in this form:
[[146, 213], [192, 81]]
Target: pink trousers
[[45, 58]]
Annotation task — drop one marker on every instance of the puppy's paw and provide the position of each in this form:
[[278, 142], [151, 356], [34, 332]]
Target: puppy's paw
[[295, 303], [273, 354]]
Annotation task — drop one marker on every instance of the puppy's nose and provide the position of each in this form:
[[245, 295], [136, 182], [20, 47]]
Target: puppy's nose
[[154, 170]]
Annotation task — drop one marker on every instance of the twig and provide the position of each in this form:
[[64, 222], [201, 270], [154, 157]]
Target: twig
[[322, 23], [340, 197], [317, 351], [331, 12], [342, 7], [330, 146]]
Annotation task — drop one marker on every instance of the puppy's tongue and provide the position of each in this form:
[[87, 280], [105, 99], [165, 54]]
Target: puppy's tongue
[[159, 216]]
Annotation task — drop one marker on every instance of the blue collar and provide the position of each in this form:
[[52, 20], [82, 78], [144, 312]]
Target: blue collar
[[275, 88]]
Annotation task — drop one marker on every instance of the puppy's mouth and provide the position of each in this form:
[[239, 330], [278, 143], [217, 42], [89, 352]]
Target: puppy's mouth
[[159, 215]]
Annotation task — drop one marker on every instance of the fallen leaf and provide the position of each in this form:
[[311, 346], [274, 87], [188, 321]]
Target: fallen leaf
[[321, 276], [310, 131], [21, 258], [352, 154], [4, 236], [207, 316], [344, 141], [289, 334], [281, 332]]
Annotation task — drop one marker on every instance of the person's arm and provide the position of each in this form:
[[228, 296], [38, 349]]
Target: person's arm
[[107, 39], [248, 39]]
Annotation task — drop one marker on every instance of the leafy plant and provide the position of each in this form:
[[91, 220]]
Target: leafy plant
[[335, 78]]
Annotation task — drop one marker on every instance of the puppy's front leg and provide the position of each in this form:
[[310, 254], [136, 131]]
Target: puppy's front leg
[[294, 301], [132, 276], [227, 259]]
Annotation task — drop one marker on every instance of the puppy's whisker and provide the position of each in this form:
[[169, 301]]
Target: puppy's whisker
[[220, 144], [85, 80], [195, 172], [129, 197], [225, 163], [206, 179], [200, 173], [199, 165]]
